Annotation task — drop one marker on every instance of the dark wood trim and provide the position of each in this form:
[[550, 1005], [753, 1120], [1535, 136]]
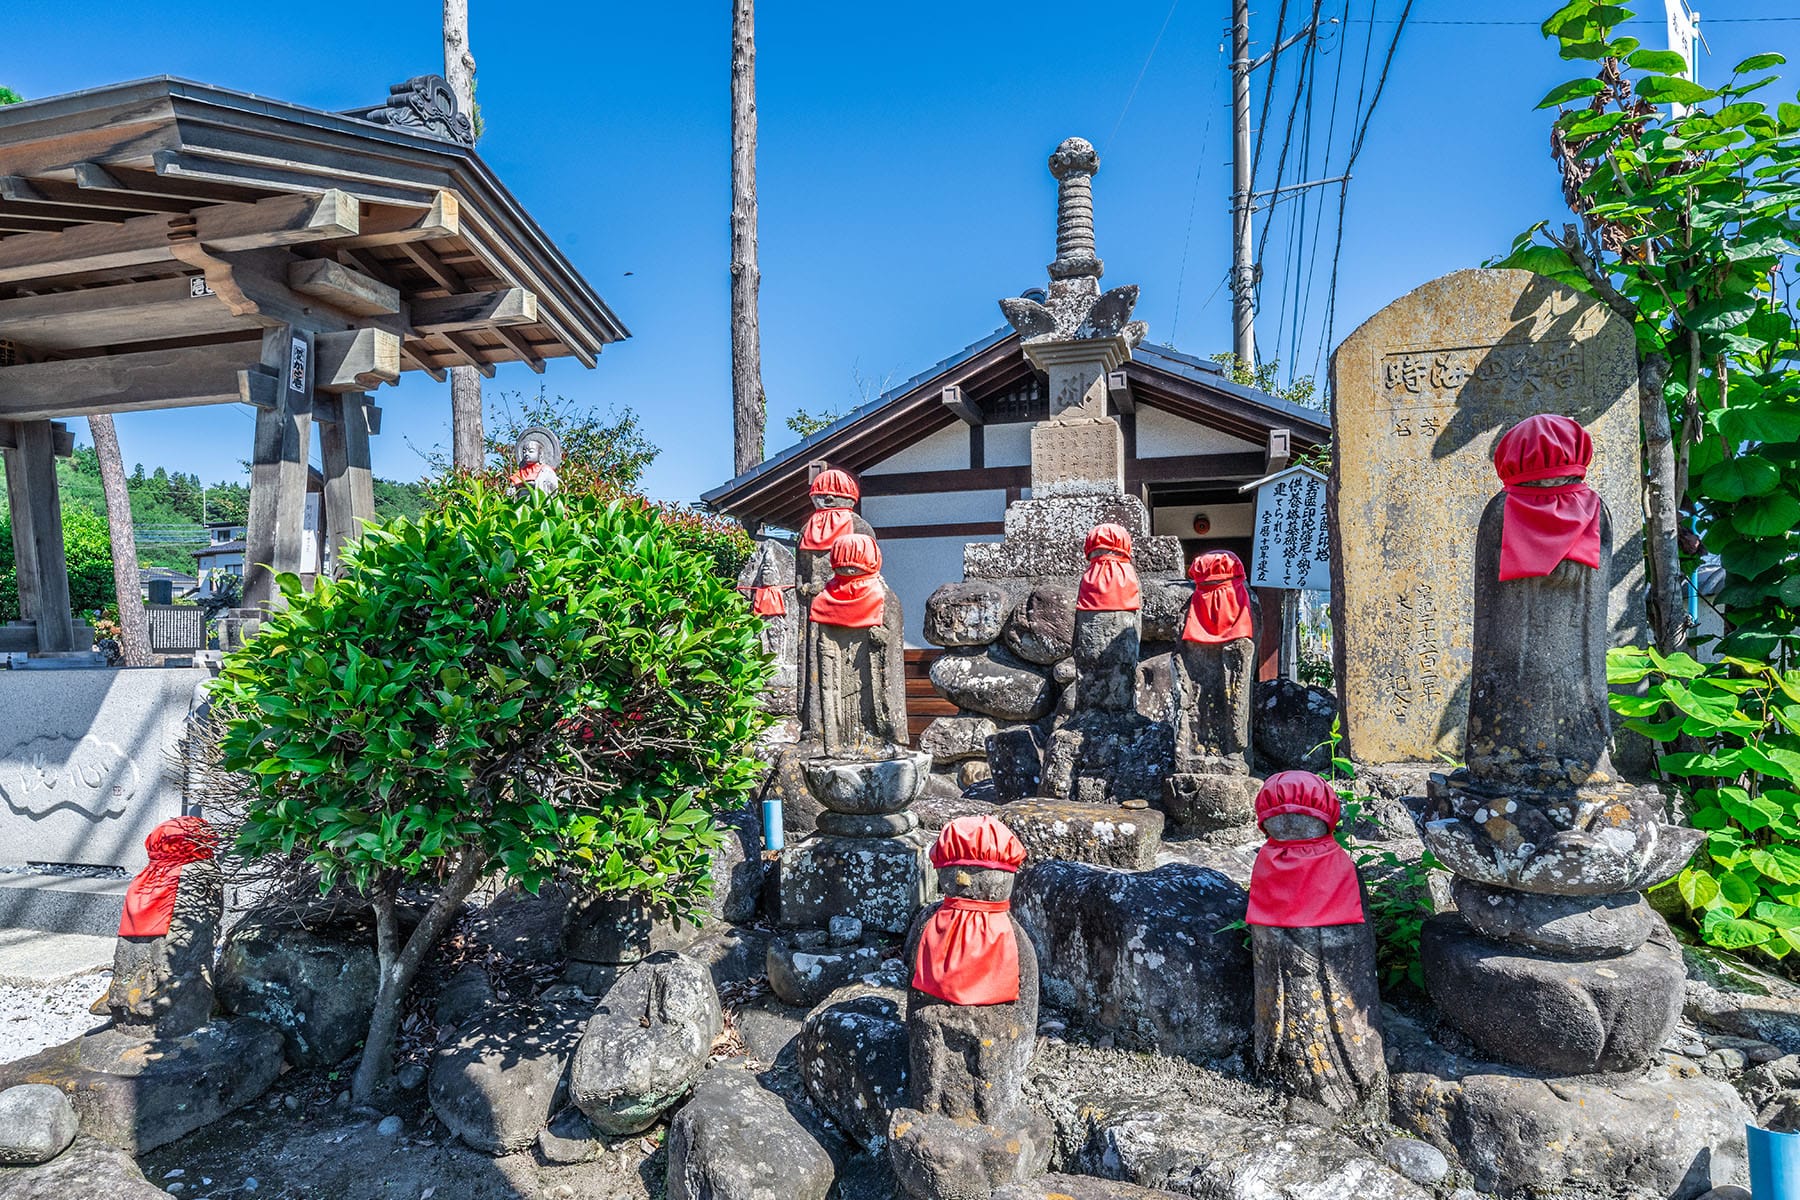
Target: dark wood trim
[[918, 483], [892, 533], [977, 447], [1246, 465]]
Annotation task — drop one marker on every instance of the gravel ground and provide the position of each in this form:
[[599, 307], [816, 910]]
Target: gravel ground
[[35, 1018]]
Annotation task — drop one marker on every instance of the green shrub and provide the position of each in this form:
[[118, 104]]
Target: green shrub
[[1732, 733], [88, 550], [542, 687]]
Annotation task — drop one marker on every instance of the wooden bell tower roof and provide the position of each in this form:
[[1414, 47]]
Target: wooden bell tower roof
[[150, 232]]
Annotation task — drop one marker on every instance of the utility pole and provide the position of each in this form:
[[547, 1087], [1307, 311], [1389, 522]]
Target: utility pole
[[748, 410], [1243, 271]]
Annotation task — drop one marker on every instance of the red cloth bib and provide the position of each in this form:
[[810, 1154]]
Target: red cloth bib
[[1543, 527], [1110, 583], [150, 896], [525, 474], [824, 528], [1220, 608], [852, 601], [1308, 883], [968, 953], [767, 601]]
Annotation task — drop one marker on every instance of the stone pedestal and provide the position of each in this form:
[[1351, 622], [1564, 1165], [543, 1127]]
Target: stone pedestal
[[1106, 835], [871, 864], [1203, 800], [163, 986], [1077, 456]]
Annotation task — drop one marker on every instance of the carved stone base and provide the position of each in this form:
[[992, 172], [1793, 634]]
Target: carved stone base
[[1554, 1014], [881, 882], [1560, 926]]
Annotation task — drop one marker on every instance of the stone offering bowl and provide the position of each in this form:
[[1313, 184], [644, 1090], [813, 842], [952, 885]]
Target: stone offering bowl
[[868, 786]]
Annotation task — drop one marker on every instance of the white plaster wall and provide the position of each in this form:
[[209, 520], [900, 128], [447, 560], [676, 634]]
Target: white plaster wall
[[934, 508], [945, 450], [917, 567], [1164, 435], [1228, 520], [1007, 445]]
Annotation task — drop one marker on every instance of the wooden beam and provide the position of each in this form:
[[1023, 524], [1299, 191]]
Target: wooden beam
[[13, 223], [470, 355], [433, 267], [17, 187], [145, 241], [343, 289], [956, 402], [1118, 387], [148, 379], [133, 190], [178, 166], [112, 316], [474, 310], [390, 225], [412, 362], [357, 360], [521, 347], [349, 482], [36, 456], [278, 457]]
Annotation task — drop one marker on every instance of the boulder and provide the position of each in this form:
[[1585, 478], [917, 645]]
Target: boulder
[[938, 807], [464, 995], [1146, 955], [1223, 1157], [1105, 835], [853, 1060], [1203, 803], [520, 926], [736, 1140], [994, 682], [1562, 926], [787, 782], [738, 869], [494, 1086], [88, 1168], [569, 1139], [1551, 1014], [954, 739], [1041, 629], [1291, 726], [1669, 1131], [880, 881], [1729, 994], [804, 969], [37, 1123], [646, 1044], [966, 614], [137, 1100], [935, 1157], [1773, 1092], [315, 985]]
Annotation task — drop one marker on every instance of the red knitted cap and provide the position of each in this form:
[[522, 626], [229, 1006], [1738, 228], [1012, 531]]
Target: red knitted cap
[[1546, 446], [978, 842], [1108, 539], [1298, 792], [835, 483], [856, 551]]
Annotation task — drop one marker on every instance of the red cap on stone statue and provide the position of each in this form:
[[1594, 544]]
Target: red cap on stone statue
[[1110, 583], [1306, 881], [854, 597], [833, 494], [968, 952], [1545, 526], [1220, 608]]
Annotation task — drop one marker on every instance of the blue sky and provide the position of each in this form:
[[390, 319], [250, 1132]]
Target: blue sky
[[902, 179]]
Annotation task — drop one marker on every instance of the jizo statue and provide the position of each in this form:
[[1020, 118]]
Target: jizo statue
[[538, 453]]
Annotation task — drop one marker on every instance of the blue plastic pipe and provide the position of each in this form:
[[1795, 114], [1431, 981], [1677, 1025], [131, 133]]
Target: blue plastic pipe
[[774, 836], [1774, 1164]]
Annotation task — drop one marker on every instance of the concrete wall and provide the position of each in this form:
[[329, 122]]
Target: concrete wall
[[90, 762], [945, 450], [917, 567]]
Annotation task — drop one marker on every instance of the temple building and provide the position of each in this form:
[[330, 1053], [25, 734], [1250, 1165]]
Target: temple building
[[940, 456]]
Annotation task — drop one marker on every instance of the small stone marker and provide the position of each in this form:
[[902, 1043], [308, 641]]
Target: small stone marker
[[1422, 390]]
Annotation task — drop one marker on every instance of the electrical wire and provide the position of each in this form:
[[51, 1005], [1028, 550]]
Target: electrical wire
[[1262, 122], [1194, 198], [1142, 71]]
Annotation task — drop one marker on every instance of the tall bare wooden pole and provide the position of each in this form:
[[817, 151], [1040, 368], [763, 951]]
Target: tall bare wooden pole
[[467, 449], [134, 624], [747, 408]]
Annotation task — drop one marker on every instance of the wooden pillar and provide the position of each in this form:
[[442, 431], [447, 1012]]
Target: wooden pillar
[[349, 481], [1273, 602], [24, 546], [278, 467], [50, 579]]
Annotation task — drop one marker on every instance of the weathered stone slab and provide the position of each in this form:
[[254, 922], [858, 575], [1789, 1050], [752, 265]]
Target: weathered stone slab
[[88, 762], [1422, 390], [993, 682], [951, 740], [1104, 835], [966, 614], [1041, 629], [852, 1057]]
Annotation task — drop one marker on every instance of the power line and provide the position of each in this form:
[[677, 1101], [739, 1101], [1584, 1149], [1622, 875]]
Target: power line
[[1194, 199], [1142, 71], [1540, 24], [1262, 121]]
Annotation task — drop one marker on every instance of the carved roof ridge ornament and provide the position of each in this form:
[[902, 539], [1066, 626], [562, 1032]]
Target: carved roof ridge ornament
[[1076, 309], [423, 104]]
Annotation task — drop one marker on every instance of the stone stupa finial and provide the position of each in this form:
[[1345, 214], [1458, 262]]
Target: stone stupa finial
[[1076, 310]]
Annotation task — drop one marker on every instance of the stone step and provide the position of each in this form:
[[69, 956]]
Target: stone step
[[56, 903]]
